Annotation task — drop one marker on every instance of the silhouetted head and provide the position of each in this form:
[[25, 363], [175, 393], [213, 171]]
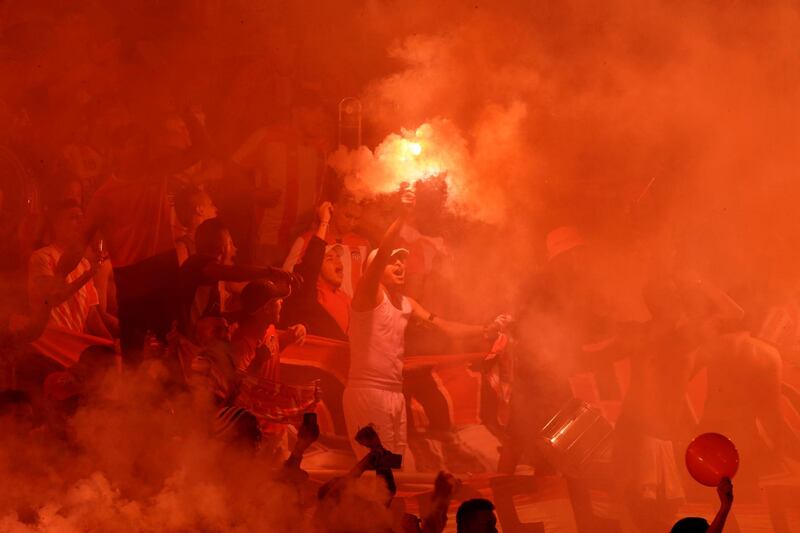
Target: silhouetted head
[[690, 524], [213, 239], [476, 516], [264, 296]]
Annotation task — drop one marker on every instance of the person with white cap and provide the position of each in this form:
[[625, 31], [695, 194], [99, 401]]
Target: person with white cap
[[380, 314], [320, 301]]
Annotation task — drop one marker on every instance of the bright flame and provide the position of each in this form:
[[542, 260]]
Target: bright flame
[[436, 149], [400, 158]]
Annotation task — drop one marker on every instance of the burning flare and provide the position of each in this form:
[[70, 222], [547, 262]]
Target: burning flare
[[435, 148]]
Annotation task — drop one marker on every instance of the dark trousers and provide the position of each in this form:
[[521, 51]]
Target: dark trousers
[[420, 384], [146, 299]]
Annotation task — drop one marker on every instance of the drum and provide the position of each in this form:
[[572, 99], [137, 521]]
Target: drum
[[576, 437]]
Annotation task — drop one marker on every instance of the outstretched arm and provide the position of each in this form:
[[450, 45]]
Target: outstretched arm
[[457, 330], [366, 296], [222, 272], [309, 263]]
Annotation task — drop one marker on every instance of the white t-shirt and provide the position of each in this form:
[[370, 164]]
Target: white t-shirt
[[377, 346]]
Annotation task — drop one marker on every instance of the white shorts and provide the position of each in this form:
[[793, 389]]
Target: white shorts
[[386, 411]]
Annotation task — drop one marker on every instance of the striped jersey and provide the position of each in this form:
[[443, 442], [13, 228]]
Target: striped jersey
[[72, 314]]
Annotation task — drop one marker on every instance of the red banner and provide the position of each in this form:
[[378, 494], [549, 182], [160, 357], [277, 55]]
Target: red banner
[[64, 346]]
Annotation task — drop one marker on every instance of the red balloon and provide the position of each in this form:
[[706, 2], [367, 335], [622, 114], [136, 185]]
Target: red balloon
[[711, 457]]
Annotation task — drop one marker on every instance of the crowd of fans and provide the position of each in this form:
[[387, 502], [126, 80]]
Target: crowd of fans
[[145, 274], [144, 248]]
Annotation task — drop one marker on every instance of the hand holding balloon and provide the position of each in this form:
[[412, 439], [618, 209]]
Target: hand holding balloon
[[725, 491]]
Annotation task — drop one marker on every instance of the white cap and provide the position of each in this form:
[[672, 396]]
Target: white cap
[[338, 248], [374, 252]]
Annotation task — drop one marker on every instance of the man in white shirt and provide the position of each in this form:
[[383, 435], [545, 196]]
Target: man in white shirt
[[380, 314]]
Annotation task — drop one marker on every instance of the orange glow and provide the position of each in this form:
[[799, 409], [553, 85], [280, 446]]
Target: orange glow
[[434, 149]]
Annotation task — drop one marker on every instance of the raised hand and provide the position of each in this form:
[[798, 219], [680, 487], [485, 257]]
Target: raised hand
[[325, 212], [445, 486], [498, 325]]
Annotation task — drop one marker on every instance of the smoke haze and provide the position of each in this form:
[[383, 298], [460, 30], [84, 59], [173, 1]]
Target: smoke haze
[[667, 132]]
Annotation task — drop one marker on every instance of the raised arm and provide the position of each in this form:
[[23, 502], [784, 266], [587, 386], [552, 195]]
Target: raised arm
[[297, 256], [310, 262], [725, 492], [366, 296]]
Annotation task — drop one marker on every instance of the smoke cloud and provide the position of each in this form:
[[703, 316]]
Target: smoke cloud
[[628, 121]]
